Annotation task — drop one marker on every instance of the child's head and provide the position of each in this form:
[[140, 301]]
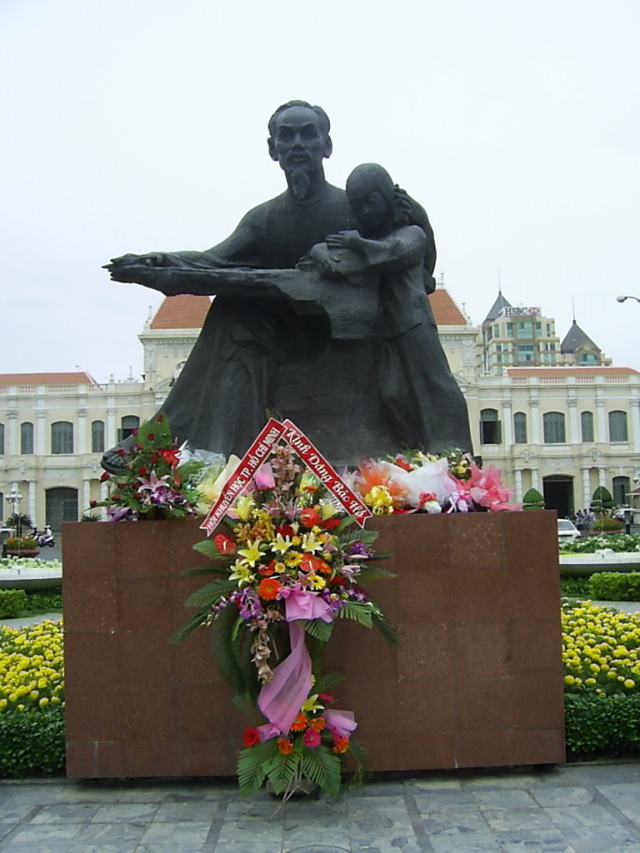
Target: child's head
[[374, 200]]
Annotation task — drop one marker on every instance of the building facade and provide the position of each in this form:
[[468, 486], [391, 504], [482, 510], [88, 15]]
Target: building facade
[[549, 418]]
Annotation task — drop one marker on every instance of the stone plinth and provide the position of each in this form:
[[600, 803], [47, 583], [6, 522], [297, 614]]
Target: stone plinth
[[476, 680]]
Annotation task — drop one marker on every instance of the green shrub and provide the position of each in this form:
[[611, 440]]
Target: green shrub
[[32, 743], [598, 724], [12, 602], [533, 500], [43, 601], [602, 500], [575, 587], [21, 543], [607, 524], [615, 586]]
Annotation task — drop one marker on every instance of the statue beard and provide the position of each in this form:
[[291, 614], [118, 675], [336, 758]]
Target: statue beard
[[299, 183]]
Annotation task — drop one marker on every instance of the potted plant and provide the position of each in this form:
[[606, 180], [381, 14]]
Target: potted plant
[[22, 546]]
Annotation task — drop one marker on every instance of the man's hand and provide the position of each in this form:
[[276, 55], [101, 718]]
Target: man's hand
[[130, 268]]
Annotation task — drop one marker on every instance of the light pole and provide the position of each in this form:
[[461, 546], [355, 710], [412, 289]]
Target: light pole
[[14, 497], [624, 298]]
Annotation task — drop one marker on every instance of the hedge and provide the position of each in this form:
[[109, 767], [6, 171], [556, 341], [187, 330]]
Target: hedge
[[601, 724], [615, 586], [32, 743], [12, 602]]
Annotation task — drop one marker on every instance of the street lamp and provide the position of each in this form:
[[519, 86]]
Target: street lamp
[[624, 298]]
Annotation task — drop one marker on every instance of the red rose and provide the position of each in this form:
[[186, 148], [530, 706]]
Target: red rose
[[310, 517], [150, 436], [331, 523], [142, 469], [106, 476], [120, 452], [154, 458], [251, 736], [159, 419], [134, 432]]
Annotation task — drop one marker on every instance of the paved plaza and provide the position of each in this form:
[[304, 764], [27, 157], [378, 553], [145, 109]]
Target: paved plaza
[[587, 808]]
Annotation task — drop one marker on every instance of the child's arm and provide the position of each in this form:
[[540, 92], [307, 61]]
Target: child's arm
[[401, 249]]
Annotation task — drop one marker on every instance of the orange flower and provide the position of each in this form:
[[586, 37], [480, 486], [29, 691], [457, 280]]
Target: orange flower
[[318, 724], [299, 724], [284, 745], [341, 744], [268, 589]]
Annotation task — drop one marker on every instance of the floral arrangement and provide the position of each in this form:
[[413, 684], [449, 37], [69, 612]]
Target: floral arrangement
[[421, 482], [154, 483], [32, 667], [286, 568]]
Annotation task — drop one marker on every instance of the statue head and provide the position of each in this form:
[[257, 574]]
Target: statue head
[[374, 200], [299, 140]]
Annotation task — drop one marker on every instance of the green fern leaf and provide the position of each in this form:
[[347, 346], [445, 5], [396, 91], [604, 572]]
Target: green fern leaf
[[189, 627], [321, 766], [282, 770], [386, 629], [210, 593], [360, 613], [319, 629], [252, 765]]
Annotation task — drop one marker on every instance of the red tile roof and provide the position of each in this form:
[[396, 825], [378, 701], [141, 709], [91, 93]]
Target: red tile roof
[[189, 312], [181, 312], [77, 378], [445, 309]]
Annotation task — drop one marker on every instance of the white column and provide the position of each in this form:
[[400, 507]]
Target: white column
[[12, 447], [535, 423], [535, 479], [111, 436], [41, 426], [81, 445], [86, 495], [508, 426], [602, 476], [32, 501], [601, 422], [574, 433], [518, 476], [635, 424], [586, 487]]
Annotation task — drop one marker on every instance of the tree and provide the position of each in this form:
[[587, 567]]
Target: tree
[[533, 500]]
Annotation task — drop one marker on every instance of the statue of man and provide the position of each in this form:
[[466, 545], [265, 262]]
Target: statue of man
[[219, 400]]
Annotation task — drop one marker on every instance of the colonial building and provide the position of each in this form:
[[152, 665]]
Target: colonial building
[[542, 411]]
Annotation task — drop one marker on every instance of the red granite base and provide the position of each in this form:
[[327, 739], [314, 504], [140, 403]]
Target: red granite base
[[475, 682]]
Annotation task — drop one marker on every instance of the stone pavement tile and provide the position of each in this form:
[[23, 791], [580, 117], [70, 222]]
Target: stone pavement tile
[[97, 836], [469, 842], [31, 838], [608, 839], [246, 808], [12, 813], [594, 814], [445, 800], [625, 797], [379, 826], [257, 829], [534, 841], [505, 799], [126, 812], [558, 797], [358, 806], [384, 847], [242, 847], [191, 834], [434, 783], [181, 812], [589, 775], [305, 809], [65, 813], [454, 823], [507, 820], [34, 794], [305, 833], [507, 780]]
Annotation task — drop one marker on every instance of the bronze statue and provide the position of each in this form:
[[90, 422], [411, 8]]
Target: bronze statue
[[295, 341]]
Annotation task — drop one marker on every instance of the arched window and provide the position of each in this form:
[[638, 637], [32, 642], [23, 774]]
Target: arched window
[[586, 422], [621, 488], [520, 428], [62, 437], [490, 432], [61, 504], [1, 439], [554, 432], [618, 426], [97, 437], [127, 425], [26, 438]]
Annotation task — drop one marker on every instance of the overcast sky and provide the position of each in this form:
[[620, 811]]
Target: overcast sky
[[139, 125]]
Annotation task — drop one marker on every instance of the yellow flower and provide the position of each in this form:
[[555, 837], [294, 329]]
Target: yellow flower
[[294, 559], [251, 554], [281, 544], [279, 568], [315, 581], [311, 543], [244, 505], [629, 683], [241, 573], [311, 704]]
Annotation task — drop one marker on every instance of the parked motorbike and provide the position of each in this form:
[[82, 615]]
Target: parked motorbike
[[45, 538]]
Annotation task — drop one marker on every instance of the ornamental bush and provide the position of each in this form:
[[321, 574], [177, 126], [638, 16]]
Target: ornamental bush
[[608, 524], [32, 743], [618, 542], [615, 586], [597, 724], [12, 602]]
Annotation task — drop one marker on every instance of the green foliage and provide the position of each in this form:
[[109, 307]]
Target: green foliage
[[361, 613], [533, 500], [600, 724], [32, 743], [575, 587], [90, 516], [43, 601], [606, 524], [319, 629], [252, 765], [321, 766], [21, 543], [12, 602], [615, 586], [19, 521], [602, 500]]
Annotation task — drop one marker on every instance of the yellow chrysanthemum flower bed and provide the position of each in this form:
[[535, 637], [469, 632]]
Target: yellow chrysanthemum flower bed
[[31, 667], [601, 650]]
